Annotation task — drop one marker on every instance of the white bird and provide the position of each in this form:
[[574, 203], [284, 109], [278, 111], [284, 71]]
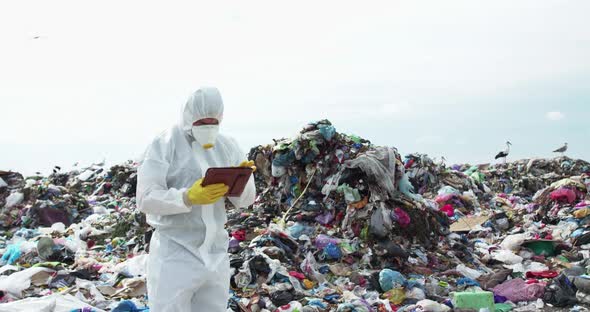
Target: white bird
[[503, 154], [561, 149]]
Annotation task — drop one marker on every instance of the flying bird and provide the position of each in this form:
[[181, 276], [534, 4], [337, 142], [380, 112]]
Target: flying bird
[[503, 154], [561, 149]]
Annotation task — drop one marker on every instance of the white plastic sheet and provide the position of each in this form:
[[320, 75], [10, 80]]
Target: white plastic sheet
[[15, 283], [53, 303]]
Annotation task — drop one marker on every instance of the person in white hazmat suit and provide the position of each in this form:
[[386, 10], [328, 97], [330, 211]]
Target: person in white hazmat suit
[[188, 265]]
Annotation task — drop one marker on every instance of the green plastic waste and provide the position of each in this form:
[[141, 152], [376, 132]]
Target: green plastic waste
[[471, 170], [478, 177], [503, 307], [354, 138], [365, 233], [46, 264], [474, 300], [541, 247], [351, 195]]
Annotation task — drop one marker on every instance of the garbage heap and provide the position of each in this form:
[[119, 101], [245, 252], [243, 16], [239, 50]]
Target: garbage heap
[[72, 241], [339, 224], [342, 225]]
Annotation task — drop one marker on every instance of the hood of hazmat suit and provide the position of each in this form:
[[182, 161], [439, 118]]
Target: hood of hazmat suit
[[188, 266]]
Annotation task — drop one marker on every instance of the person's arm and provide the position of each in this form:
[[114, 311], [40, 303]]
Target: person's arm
[[153, 195], [249, 195]]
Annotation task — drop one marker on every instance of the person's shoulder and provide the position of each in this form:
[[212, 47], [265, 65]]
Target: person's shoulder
[[167, 135], [163, 145]]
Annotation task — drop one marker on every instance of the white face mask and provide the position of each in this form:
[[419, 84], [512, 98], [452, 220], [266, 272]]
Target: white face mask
[[206, 135]]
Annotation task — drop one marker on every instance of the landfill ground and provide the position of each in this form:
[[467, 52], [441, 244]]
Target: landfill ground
[[338, 225]]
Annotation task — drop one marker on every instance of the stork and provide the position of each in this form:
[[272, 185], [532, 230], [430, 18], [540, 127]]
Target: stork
[[503, 154], [562, 149]]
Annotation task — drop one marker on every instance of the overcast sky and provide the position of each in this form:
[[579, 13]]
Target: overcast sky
[[83, 80]]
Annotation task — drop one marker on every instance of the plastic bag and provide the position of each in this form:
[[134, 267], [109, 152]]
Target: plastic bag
[[513, 242], [395, 295], [389, 279], [14, 199], [322, 240], [380, 223], [403, 219], [468, 272], [15, 283], [490, 281], [507, 257], [379, 164], [332, 252], [309, 268], [11, 254], [563, 194], [136, 266], [448, 190], [448, 210], [561, 292], [432, 306], [517, 290], [416, 294], [327, 131]]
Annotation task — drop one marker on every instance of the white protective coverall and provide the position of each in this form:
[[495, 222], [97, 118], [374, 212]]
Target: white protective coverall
[[188, 265]]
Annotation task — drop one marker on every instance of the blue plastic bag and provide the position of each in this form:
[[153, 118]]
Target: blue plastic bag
[[389, 279]]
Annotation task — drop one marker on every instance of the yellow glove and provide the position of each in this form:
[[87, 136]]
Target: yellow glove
[[248, 163], [205, 195]]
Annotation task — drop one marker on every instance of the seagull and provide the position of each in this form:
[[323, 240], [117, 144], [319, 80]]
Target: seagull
[[561, 149], [505, 152]]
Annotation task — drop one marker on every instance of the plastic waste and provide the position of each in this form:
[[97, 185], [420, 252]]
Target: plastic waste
[[11, 255], [416, 293], [465, 281], [503, 307], [448, 210], [327, 131], [474, 300], [389, 279], [517, 290], [506, 256], [15, 283], [432, 306], [583, 297], [293, 306], [395, 295], [513, 242], [127, 306], [561, 292], [563, 195], [310, 268], [322, 241], [332, 252], [380, 225], [351, 195], [468, 272], [402, 217], [14, 199]]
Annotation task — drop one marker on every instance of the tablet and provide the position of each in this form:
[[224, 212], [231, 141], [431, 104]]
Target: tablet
[[235, 178]]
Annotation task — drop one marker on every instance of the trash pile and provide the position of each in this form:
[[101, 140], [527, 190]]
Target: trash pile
[[72, 241], [339, 224]]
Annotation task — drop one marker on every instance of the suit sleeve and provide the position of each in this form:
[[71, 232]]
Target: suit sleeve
[[154, 197]]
